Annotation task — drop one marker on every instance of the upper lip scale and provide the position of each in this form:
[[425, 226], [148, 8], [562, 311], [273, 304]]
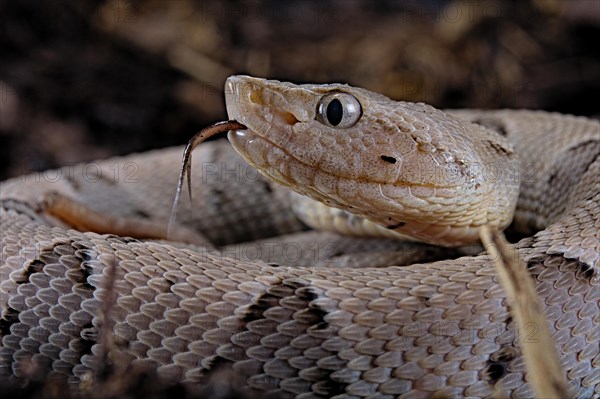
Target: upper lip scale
[[402, 183]]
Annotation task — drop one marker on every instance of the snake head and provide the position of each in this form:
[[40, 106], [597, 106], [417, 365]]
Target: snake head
[[406, 166]]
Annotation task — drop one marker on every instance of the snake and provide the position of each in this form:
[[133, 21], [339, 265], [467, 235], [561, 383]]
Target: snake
[[414, 310]]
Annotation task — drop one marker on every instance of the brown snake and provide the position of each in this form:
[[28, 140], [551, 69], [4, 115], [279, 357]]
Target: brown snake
[[340, 320]]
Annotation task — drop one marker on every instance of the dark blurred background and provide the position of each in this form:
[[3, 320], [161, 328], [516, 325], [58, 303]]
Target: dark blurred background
[[81, 80]]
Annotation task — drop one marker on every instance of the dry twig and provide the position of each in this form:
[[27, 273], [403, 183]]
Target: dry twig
[[541, 358]]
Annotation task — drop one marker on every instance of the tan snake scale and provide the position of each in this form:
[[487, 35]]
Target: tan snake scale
[[363, 322]]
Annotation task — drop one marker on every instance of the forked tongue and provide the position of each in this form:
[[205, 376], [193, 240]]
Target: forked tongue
[[186, 164]]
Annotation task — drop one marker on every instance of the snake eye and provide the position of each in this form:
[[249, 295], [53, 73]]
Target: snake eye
[[339, 110]]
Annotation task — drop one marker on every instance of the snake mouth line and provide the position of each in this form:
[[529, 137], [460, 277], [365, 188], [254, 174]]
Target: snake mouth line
[[398, 183]]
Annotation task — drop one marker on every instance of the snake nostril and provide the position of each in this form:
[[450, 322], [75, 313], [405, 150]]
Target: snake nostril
[[255, 97]]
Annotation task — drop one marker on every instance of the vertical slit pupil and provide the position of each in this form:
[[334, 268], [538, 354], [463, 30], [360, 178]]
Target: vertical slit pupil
[[335, 112]]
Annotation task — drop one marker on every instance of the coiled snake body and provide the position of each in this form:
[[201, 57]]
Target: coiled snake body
[[307, 314]]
